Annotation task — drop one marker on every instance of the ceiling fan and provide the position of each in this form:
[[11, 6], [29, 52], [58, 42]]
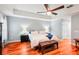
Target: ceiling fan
[[51, 11]]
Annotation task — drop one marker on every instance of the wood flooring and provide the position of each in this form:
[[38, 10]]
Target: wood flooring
[[18, 48]]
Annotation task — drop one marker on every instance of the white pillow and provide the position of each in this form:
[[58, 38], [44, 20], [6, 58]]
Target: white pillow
[[34, 32], [42, 32]]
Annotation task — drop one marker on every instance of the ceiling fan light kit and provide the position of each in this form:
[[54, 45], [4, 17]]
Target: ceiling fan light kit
[[49, 13]]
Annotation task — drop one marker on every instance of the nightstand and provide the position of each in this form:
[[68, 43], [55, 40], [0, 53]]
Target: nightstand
[[24, 38]]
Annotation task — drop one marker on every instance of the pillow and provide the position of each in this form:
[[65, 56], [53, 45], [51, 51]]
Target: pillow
[[42, 32], [29, 32], [34, 32], [49, 35]]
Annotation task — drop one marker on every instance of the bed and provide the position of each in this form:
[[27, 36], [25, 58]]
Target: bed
[[35, 38]]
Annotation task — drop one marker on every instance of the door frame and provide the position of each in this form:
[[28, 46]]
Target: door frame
[[1, 40]]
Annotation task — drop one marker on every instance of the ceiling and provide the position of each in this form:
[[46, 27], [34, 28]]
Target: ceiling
[[34, 8]]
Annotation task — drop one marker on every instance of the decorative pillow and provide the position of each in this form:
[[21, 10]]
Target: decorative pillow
[[29, 32], [49, 35]]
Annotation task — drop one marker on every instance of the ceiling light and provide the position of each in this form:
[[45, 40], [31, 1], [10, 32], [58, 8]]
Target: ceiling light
[[49, 13]]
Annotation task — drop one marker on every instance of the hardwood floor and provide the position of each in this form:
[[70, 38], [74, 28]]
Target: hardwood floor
[[18, 48]]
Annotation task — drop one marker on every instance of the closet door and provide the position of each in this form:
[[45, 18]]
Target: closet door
[[0, 38]]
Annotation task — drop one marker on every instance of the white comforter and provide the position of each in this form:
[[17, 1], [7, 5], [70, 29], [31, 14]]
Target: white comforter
[[35, 39]]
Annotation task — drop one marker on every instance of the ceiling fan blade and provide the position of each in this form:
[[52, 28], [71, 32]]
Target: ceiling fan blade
[[54, 13], [46, 6], [41, 12], [60, 7], [70, 6]]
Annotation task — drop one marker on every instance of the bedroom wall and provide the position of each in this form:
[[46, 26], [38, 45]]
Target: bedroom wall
[[15, 29], [61, 27], [56, 27], [66, 27], [75, 26]]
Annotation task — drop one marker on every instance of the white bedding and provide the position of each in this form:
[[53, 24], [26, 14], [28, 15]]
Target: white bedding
[[35, 39]]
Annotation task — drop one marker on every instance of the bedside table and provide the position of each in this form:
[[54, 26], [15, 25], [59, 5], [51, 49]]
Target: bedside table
[[24, 38]]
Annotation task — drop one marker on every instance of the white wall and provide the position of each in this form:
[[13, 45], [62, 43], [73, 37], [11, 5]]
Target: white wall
[[61, 27], [14, 26], [3, 20], [4, 29], [75, 26], [66, 27], [56, 27]]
